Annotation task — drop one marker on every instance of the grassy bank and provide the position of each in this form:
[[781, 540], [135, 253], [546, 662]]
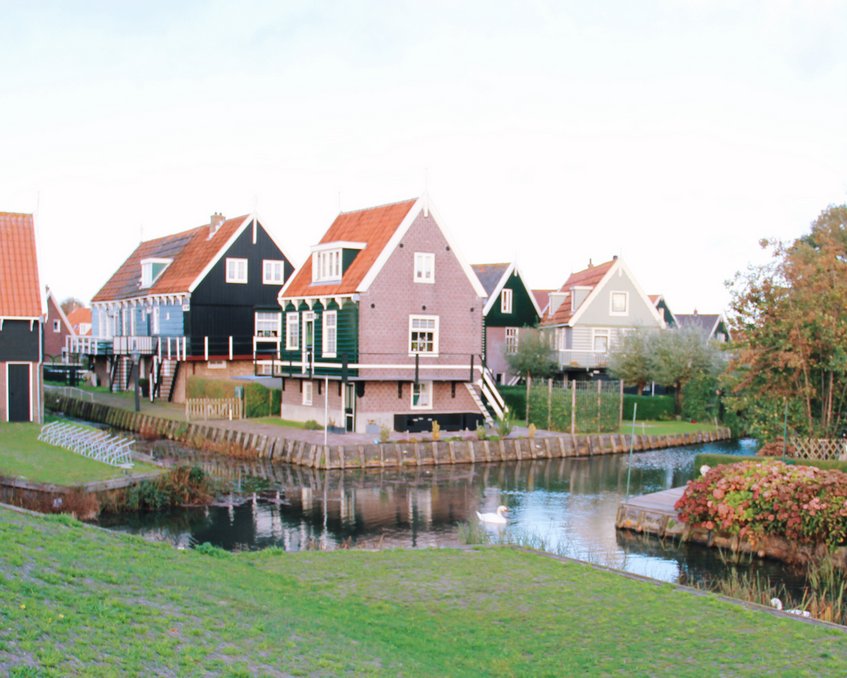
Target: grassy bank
[[75, 599], [22, 455], [665, 428]]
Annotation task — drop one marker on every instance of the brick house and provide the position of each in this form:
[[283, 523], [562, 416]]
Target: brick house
[[21, 314], [511, 306], [193, 303], [382, 326], [57, 329]]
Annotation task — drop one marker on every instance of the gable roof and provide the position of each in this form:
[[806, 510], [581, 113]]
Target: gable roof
[[542, 300], [20, 291], [80, 316], [193, 252], [589, 278], [705, 322], [51, 300], [380, 229], [494, 277]]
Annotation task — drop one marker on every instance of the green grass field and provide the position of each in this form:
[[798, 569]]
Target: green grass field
[[83, 601], [661, 428], [22, 455]]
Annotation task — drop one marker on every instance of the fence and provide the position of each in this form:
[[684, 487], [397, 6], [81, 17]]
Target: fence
[[817, 448], [213, 408], [575, 406]]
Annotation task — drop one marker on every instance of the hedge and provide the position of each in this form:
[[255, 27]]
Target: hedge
[[713, 460], [258, 400], [515, 399], [650, 408]]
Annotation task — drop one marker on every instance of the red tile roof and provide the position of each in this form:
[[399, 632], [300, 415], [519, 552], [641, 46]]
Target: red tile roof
[[80, 316], [20, 290], [542, 298], [374, 227], [191, 252], [589, 277]]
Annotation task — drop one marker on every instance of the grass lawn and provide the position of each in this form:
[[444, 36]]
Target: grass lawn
[[660, 428], [79, 600], [22, 455], [276, 421]]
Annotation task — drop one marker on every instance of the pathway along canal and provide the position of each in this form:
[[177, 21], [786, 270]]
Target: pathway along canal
[[565, 506]]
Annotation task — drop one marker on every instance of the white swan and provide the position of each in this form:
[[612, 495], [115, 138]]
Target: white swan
[[777, 603], [494, 518]]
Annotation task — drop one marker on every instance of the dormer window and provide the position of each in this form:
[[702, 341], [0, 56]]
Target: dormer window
[[330, 259], [326, 266], [151, 269]]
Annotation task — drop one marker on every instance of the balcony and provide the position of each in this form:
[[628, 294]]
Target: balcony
[[583, 359]]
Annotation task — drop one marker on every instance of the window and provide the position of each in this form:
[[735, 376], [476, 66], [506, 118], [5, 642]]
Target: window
[[506, 301], [423, 334], [307, 392], [422, 395], [601, 341], [216, 364], [326, 266], [236, 271], [619, 303], [154, 320], [330, 333], [57, 326], [151, 269], [292, 331], [273, 272], [424, 267], [267, 324], [511, 340]]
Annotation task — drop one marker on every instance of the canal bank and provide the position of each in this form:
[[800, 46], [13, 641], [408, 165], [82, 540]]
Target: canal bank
[[257, 441]]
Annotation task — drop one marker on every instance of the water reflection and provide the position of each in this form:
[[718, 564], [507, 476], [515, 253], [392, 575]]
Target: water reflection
[[566, 506]]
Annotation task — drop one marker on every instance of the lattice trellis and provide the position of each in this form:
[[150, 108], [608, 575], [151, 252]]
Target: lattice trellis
[[818, 448]]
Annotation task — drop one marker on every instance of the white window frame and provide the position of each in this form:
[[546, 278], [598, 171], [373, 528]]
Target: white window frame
[[327, 265], [511, 343], [155, 320], [433, 329], [147, 278], [506, 300], [423, 388], [424, 268], [619, 294], [308, 393], [597, 334], [292, 331], [266, 324], [57, 326], [236, 270], [273, 271], [329, 329]]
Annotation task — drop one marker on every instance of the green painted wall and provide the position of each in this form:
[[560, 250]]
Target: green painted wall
[[347, 339], [523, 311]]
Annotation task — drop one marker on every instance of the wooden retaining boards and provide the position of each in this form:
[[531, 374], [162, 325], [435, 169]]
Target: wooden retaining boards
[[389, 455]]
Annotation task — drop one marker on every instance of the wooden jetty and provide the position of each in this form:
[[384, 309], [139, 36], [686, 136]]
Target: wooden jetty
[[652, 513]]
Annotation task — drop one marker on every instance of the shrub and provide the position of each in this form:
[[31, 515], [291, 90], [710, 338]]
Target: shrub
[[649, 407], [385, 434], [752, 499], [481, 433], [504, 425], [312, 425], [258, 400], [184, 485], [515, 399]]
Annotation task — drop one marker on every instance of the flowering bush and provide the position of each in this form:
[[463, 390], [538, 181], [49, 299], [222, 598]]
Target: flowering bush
[[750, 499]]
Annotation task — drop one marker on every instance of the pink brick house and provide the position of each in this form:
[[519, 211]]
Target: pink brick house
[[382, 326], [57, 328]]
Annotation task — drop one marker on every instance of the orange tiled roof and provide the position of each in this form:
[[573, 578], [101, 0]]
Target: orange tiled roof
[[191, 252], [374, 227], [542, 298], [589, 277], [80, 316], [20, 291]]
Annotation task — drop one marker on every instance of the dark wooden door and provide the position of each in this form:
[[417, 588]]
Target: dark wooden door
[[19, 395]]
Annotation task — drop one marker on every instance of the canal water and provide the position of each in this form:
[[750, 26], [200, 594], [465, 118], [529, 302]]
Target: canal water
[[564, 506]]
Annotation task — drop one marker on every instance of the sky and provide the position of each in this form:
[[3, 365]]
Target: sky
[[676, 135]]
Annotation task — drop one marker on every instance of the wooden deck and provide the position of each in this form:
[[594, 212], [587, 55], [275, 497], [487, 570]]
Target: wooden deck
[[652, 513]]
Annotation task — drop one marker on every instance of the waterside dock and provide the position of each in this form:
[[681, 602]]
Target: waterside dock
[[652, 513]]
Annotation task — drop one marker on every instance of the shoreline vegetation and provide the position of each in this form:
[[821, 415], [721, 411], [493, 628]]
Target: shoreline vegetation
[[381, 613]]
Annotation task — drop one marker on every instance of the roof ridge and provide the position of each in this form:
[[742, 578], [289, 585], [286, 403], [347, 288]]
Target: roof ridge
[[376, 207]]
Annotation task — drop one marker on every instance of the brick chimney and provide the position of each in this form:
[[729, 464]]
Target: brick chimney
[[215, 222]]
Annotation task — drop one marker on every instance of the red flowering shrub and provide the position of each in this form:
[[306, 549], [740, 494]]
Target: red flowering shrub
[[776, 448], [801, 503]]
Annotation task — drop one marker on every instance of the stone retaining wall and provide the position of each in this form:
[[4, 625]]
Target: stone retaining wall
[[388, 455]]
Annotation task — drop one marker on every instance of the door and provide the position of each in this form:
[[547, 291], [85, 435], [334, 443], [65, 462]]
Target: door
[[308, 341], [350, 406], [19, 392]]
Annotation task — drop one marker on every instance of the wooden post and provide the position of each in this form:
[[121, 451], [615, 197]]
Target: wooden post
[[549, 404], [528, 387], [599, 398], [573, 406], [620, 407]]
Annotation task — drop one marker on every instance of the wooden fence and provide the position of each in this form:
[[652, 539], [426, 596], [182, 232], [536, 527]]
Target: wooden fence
[[213, 408], [818, 448]]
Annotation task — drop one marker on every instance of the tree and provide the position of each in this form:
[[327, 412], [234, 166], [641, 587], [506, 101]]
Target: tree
[[629, 360], [790, 320], [681, 356], [70, 304], [535, 357]]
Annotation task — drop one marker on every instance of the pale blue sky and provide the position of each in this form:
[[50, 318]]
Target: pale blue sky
[[673, 134]]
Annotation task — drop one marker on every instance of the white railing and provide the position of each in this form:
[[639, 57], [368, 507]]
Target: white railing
[[93, 443], [88, 345], [213, 408], [492, 395], [130, 345]]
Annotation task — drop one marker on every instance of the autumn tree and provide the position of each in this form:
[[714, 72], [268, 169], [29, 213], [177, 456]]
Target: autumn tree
[[680, 356], [790, 322], [534, 356], [70, 304]]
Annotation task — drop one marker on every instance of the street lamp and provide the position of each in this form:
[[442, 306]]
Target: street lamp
[[136, 359]]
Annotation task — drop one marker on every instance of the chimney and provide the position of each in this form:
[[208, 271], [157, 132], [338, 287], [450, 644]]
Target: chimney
[[215, 222]]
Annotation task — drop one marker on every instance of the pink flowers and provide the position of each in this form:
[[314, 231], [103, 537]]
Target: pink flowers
[[801, 503]]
